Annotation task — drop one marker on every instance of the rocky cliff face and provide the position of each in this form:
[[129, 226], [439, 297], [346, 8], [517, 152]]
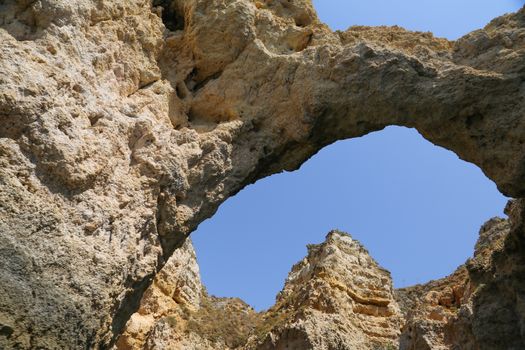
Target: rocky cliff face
[[479, 305], [336, 298], [125, 124], [177, 313]]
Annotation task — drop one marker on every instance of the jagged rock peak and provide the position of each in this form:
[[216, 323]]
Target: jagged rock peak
[[337, 297]]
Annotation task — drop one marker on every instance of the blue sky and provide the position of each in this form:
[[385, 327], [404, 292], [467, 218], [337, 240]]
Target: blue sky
[[415, 206], [445, 18]]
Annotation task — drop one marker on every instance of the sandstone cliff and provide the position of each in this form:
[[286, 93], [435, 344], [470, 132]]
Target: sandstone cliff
[[125, 124], [336, 298], [177, 313]]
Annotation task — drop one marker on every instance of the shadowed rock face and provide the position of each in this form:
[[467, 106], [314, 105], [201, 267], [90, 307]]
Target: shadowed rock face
[[120, 134], [469, 309]]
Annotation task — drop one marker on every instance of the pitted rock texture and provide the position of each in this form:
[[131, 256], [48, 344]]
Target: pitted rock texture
[[494, 317], [432, 310], [177, 313], [176, 289], [125, 124], [479, 306]]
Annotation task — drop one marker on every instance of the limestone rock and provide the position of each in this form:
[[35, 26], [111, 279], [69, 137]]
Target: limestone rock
[[494, 316], [176, 312], [176, 290], [338, 297], [123, 125], [477, 306]]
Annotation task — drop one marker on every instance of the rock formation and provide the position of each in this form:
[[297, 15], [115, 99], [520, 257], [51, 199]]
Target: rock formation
[[479, 305], [177, 313], [125, 124], [337, 297]]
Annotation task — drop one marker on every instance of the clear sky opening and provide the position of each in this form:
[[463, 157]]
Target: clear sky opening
[[415, 206]]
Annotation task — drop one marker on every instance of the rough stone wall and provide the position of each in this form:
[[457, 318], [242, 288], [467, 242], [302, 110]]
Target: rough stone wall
[[479, 307], [494, 317], [175, 292], [120, 133], [176, 312], [440, 314]]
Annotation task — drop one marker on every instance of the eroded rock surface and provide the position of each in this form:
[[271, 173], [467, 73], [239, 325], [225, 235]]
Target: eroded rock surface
[[125, 124], [337, 297], [177, 313], [479, 305]]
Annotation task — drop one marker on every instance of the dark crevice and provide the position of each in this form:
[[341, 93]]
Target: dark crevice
[[128, 307], [169, 239], [191, 116], [6, 331], [194, 84], [205, 81], [94, 118], [170, 16], [473, 120], [190, 79], [145, 85], [302, 21], [181, 90]]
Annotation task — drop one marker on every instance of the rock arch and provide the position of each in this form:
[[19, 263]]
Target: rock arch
[[119, 135]]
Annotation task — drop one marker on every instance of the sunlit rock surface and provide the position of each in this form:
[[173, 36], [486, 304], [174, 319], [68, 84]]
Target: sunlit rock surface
[[338, 297], [125, 124]]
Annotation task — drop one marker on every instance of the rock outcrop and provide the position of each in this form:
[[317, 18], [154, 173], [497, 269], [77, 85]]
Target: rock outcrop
[[176, 291], [479, 305], [125, 124], [432, 309], [177, 313], [337, 297]]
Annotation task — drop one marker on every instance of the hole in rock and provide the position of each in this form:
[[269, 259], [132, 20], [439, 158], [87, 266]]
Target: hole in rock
[[416, 207], [6, 331], [170, 16]]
